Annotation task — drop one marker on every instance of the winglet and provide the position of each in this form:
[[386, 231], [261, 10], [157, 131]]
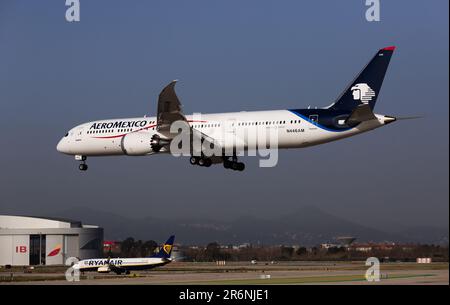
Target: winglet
[[169, 87]]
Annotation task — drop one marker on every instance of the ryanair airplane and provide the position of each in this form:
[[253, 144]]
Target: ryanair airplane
[[125, 265], [231, 134]]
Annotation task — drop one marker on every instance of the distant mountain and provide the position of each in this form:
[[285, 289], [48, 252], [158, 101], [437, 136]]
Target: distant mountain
[[427, 234], [308, 226]]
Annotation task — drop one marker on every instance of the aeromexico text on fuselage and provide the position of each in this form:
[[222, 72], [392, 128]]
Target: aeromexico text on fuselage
[[326, 118], [119, 124]]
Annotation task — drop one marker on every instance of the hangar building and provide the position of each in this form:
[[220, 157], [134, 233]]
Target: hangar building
[[28, 240]]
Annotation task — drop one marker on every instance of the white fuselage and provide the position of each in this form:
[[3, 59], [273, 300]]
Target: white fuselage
[[108, 265], [110, 137]]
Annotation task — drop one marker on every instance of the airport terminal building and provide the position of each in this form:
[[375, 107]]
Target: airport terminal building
[[28, 240]]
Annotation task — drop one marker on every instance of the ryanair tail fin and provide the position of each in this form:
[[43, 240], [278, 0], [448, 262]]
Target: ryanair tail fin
[[166, 249], [366, 86]]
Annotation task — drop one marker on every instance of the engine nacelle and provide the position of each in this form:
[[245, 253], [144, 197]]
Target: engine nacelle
[[137, 143], [157, 143], [103, 269]]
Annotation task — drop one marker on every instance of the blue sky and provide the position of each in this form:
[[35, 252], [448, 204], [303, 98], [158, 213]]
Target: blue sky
[[229, 56]]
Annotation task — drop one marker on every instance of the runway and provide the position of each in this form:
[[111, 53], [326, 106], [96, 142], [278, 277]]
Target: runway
[[244, 273]]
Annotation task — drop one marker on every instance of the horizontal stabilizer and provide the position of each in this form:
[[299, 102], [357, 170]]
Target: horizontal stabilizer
[[360, 114]]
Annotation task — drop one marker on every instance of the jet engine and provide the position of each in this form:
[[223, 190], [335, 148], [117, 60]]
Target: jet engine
[[142, 143], [157, 142], [137, 144], [103, 269]]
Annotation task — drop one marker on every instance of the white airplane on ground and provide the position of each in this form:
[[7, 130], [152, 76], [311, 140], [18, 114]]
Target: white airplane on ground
[[125, 265], [231, 134]]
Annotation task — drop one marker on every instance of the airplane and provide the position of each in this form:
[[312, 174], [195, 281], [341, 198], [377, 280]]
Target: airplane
[[350, 114], [125, 265]]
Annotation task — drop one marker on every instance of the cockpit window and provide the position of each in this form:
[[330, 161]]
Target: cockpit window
[[66, 134]]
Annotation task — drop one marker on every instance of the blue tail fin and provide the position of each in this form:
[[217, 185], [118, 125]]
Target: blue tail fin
[[365, 88], [166, 249]]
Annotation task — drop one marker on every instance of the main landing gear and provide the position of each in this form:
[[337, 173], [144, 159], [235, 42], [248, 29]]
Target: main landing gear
[[206, 162], [83, 166], [233, 164]]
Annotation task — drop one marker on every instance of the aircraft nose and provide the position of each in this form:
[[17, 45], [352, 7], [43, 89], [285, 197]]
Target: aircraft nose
[[61, 146]]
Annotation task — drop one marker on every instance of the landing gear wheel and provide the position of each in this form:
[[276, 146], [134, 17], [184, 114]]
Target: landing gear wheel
[[83, 167], [227, 163], [235, 166], [206, 162]]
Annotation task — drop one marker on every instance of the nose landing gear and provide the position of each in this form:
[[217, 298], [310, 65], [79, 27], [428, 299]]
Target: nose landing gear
[[83, 166]]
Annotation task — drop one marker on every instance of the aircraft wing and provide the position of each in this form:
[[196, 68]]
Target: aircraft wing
[[169, 109]]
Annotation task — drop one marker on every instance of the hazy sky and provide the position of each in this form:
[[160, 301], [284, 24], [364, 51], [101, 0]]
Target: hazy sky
[[229, 56]]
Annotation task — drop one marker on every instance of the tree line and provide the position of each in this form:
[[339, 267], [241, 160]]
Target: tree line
[[214, 252], [134, 248]]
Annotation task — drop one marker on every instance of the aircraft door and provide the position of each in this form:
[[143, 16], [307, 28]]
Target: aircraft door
[[231, 126], [79, 134]]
